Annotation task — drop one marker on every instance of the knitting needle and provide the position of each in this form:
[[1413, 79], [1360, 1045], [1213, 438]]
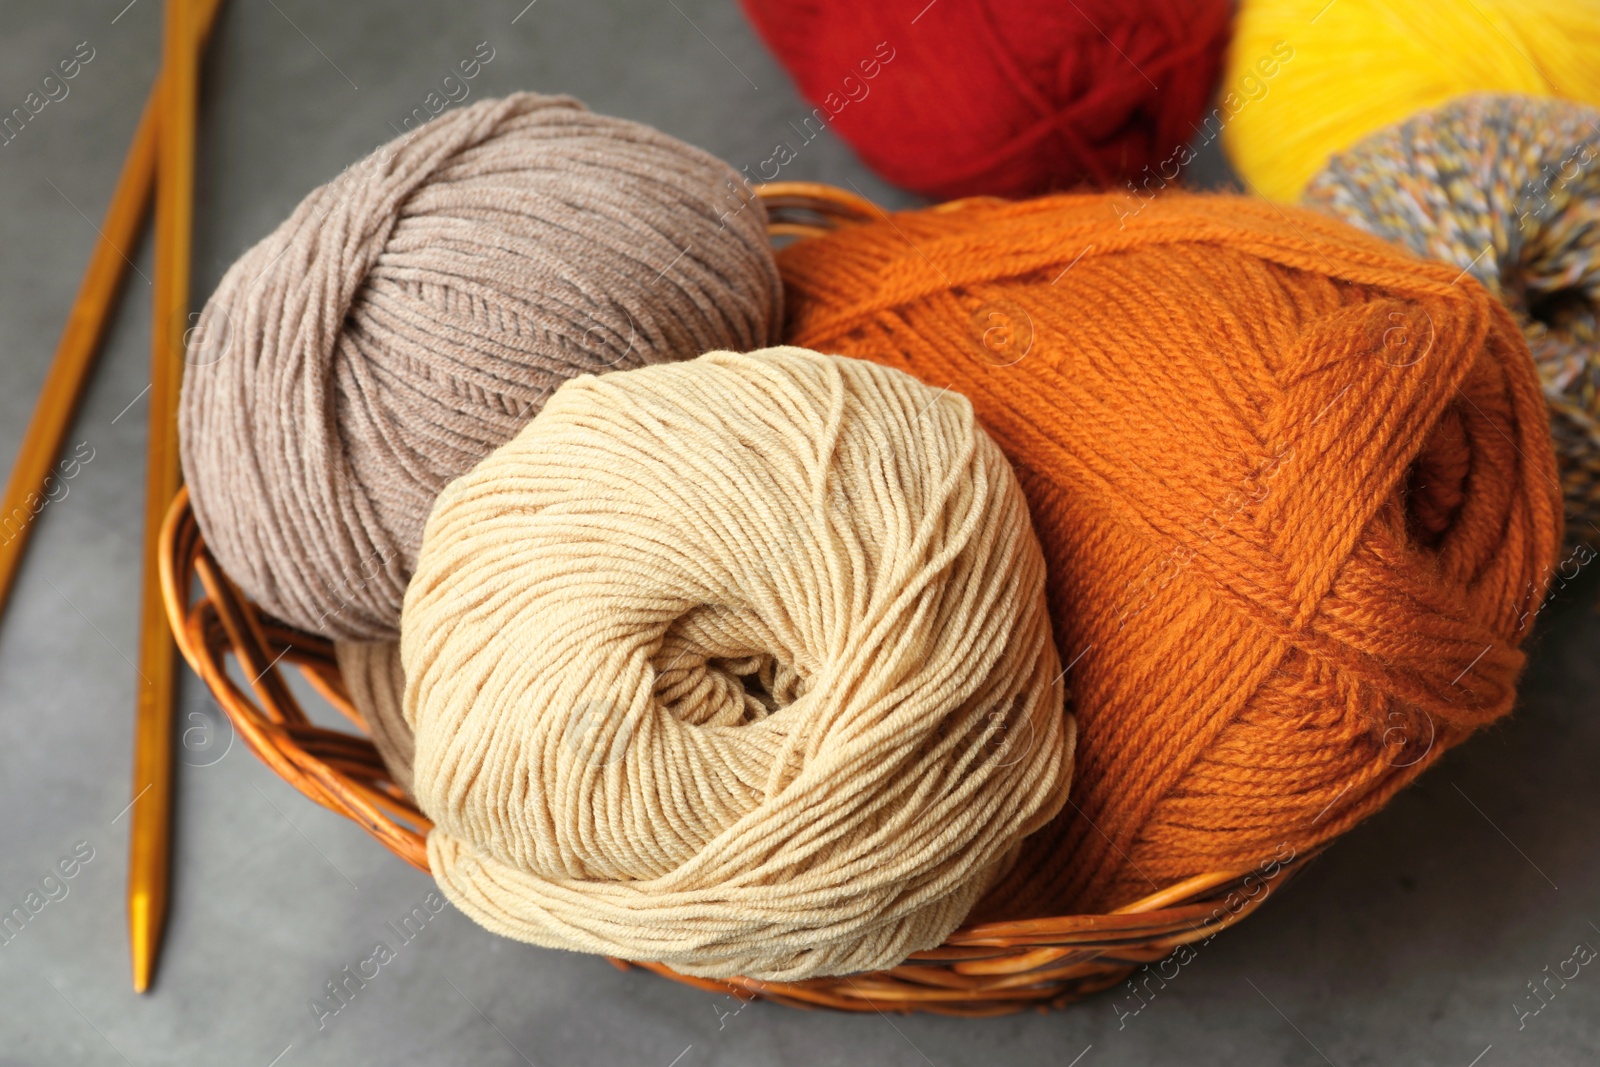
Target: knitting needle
[[80, 338], [149, 847]]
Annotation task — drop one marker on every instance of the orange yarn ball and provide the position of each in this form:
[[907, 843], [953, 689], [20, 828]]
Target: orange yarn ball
[[1295, 489]]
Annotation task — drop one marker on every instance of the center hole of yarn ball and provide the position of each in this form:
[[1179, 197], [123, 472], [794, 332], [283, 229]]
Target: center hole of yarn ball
[[1556, 275], [1436, 485], [1566, 310], [708, 674]]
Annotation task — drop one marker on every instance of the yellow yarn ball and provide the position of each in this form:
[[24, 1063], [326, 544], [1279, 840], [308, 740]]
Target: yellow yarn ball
[[1355, 66]]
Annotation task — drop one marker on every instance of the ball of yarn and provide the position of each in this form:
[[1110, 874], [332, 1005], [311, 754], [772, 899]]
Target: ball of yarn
[[413, 314], [1361, 65], [1505, 188], [1009, 97], [1294, 487], [742, 665]]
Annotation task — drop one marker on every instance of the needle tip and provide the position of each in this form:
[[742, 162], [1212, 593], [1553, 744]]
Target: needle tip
[[142, 942], [141, 972]]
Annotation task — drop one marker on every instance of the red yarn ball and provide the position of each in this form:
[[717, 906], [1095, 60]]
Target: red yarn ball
[[1004, 97]]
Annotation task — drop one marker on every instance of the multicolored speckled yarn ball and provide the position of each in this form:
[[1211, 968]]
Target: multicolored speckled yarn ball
[[1507, 188]]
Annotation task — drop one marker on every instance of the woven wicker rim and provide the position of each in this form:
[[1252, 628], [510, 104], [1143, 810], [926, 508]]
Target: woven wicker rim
[[988, 969]]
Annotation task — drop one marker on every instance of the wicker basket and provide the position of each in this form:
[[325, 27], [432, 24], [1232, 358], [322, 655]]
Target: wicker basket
[[989, 969]]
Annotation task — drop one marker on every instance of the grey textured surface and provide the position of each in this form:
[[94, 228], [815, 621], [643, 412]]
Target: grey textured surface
[[1413, 941]]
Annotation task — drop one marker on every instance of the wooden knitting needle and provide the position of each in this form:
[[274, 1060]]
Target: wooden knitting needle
[[149, 847], [80, 339]]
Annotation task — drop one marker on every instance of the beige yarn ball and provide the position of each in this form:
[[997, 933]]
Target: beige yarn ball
[[741, 664]]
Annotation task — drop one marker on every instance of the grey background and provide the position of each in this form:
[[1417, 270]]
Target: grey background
[[1412, 941]]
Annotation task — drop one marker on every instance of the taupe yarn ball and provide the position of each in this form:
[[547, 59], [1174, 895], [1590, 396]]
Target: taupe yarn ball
[[741, 664], [413, 314]]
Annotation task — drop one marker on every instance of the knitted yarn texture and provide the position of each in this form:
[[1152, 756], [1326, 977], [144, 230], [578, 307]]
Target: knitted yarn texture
[[413, 314], [1505, 188], [1295, 490], [741, 664], [1361, 65]]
